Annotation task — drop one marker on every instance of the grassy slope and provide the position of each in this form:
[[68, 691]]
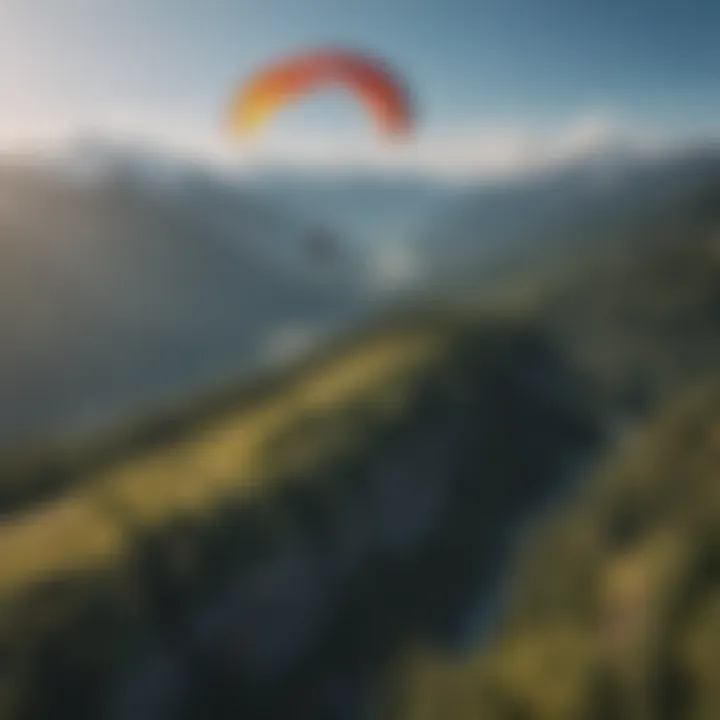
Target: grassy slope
[[141, 536], [614, 607], [226, 453]]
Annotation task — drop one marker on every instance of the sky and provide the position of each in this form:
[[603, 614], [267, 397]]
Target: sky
[[496, 82]]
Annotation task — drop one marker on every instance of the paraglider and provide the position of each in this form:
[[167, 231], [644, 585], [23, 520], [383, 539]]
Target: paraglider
[[369, 80], [321, 247]]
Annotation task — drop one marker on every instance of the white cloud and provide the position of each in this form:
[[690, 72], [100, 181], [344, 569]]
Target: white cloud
[[471, 152], [456, 153]]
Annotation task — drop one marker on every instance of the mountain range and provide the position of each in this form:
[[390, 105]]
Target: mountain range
[[128, 275]]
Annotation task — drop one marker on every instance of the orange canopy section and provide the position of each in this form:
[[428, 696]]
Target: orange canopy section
[[374, 85]]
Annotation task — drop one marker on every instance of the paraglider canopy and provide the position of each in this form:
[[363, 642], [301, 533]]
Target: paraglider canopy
[[368, 79]]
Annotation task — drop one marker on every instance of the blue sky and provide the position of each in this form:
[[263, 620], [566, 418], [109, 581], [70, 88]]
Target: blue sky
[[533, 65]]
